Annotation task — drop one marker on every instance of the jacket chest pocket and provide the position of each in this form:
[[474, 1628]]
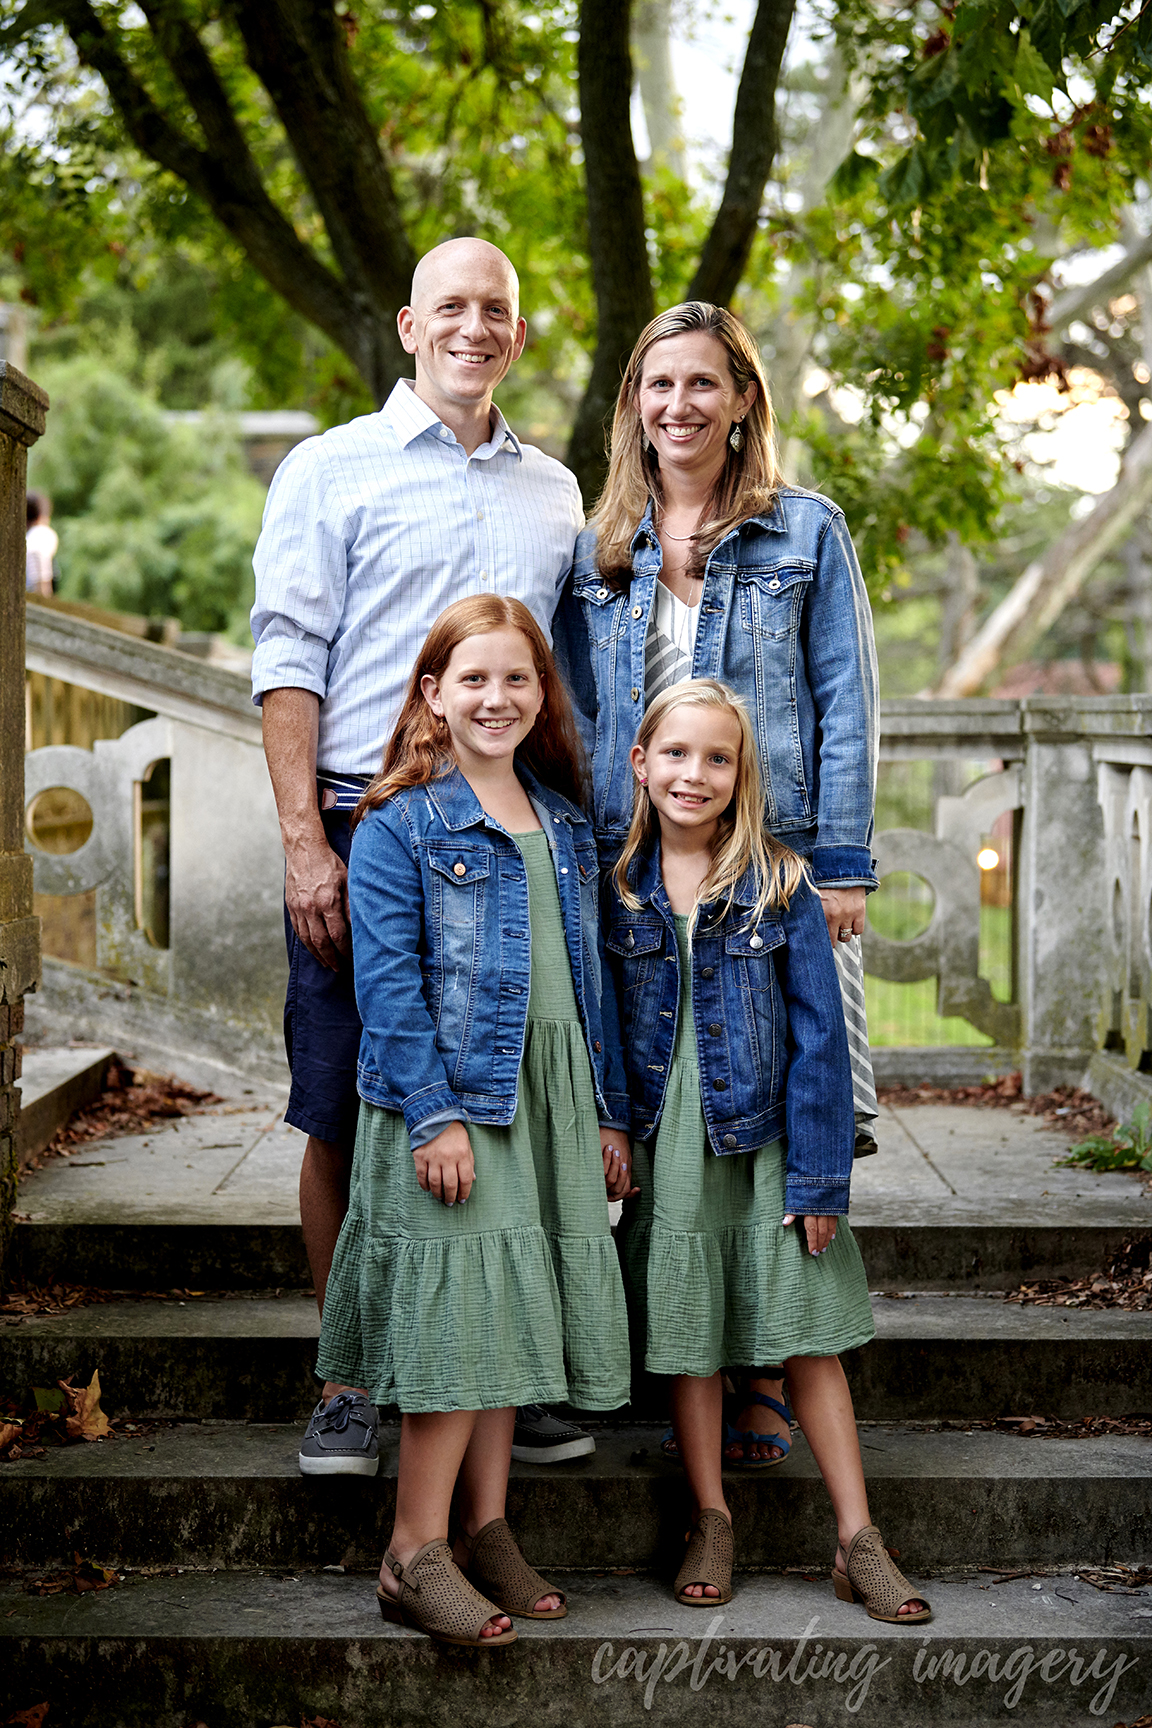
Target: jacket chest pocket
[[772, 597], [750, 955], [639, 942], [460, 879], [604, 608]]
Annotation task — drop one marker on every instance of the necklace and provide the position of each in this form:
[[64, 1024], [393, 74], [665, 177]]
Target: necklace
[[664, 533]]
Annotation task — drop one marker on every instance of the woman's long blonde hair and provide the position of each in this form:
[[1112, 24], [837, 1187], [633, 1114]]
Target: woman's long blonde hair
[[742, 842], [420, 748], [749, 478]]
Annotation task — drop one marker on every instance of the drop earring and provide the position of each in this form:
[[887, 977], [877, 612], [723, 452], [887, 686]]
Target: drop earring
[[736, 438]]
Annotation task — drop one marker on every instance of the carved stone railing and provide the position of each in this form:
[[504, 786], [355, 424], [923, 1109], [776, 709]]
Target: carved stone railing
[[206, 981], [1079, 773]]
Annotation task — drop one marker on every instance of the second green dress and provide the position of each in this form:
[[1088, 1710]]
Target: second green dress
[[514, 1297], [714, 1279]]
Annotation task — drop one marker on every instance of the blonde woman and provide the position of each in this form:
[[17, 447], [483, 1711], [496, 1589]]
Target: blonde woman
[[734, 1048], [700, 562]]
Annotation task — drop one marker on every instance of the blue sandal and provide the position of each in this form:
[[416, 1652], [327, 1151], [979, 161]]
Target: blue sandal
[[742, 1438]]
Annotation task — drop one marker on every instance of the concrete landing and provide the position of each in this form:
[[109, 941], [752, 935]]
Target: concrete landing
[[956, 1500], [229, 1650]]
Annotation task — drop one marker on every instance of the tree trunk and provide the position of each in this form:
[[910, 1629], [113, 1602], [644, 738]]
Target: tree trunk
[[1039, 596], [617, 245]]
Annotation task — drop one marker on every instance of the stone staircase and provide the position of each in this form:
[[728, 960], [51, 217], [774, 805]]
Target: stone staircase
[[246, 1594]]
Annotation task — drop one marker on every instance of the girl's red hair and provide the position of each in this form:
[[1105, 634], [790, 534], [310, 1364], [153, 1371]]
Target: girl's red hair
[[420, 748]]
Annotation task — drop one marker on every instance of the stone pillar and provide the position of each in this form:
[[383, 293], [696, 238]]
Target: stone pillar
[[22, 410], [1061, 932]]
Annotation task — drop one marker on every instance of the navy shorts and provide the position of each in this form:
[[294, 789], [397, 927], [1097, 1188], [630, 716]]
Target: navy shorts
[[322, 1026]]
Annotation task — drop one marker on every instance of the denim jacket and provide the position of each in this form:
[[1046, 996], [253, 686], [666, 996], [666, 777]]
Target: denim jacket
[[439, 900], [770, 1038], [785, 621]]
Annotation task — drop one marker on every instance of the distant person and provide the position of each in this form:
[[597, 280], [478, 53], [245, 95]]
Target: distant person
[[476, 1269], [370, 531], [41, 545]]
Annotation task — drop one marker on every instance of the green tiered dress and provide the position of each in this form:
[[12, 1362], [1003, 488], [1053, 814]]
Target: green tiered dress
[[514, 1297], [714, 1280]]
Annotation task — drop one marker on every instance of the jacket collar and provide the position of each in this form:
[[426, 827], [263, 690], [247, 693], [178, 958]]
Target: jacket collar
[[650, 888], [458, 806], [773, 521]]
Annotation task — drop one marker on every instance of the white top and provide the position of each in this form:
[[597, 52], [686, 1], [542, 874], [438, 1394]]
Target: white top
[[370, 531], [671, 641], [41, 543]]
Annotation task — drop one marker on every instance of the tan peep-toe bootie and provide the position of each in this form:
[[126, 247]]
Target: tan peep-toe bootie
[[435, 1597], [708, 1560], [871, 1578], [494, 1563]]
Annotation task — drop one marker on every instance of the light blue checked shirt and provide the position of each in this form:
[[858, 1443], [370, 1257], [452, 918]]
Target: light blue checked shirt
[[369, 532]]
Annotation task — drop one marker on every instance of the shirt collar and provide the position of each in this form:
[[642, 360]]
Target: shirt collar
[[410, 417]]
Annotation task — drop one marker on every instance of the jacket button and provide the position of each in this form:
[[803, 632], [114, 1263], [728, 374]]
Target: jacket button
[[755, 941], [596, 1045], [719, 1085], [635, 694], [715, 1029], [731, 1140], [629, 940], [637, 611], [707, 971], [601, 593], [459, 870]]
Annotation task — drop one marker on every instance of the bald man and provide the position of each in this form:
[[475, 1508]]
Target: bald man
[[369, 532]]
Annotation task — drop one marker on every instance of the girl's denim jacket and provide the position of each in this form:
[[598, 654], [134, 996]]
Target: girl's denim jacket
[[770, 1038], [441, 940], [785, 621]]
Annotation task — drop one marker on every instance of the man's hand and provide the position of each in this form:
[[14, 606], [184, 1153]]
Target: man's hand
[[444, 1166], [844, 912], [316, 894], [617, 1154]]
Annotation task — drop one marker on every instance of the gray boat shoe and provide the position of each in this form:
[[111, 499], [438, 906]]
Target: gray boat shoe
[[341, 1438]]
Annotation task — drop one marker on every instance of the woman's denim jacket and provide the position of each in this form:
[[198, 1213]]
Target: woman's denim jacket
[[441, 940], [785, 621], [770, 1038]]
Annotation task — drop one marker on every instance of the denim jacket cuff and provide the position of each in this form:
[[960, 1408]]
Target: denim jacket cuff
[[816, 1199], [834, 866], [432, 1101], [618, 1112], [619, 1127]]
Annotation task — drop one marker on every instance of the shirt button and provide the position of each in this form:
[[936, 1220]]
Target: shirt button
[[756, 942], [731, 1140], [458, 870], [719, 1085], [635, 695], [637, 611], [707, 971], [479, 515], [483, 575], [715, 1029]]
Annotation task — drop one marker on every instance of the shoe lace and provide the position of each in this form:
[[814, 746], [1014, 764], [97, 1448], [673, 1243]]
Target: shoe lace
[[334, 1418]]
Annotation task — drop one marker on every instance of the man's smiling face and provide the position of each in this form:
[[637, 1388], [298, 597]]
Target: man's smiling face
[[463, 324]]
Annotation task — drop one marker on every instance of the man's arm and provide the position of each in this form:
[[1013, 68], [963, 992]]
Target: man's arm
[[316, 882]]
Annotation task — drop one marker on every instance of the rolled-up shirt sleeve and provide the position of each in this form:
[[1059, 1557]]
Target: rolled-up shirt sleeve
[[301, 565]]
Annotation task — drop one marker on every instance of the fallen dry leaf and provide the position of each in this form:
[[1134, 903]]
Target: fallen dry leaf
[[9, 1431], [86, 1575], [86, 1420], [30, 1718]]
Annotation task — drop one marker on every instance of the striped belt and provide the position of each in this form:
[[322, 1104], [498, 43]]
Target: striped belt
[[341, 791]]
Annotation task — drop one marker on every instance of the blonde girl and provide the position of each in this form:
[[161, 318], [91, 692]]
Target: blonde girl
[[475, 1270], [738, 1248]]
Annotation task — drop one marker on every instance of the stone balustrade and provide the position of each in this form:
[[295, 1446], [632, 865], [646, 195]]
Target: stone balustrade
[[1075, 774]]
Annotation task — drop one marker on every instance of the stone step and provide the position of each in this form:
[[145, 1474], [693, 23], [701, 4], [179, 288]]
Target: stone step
[[230, 1495], [933, 1357], [239, 1649], [904, 1248], [53, 1083]]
